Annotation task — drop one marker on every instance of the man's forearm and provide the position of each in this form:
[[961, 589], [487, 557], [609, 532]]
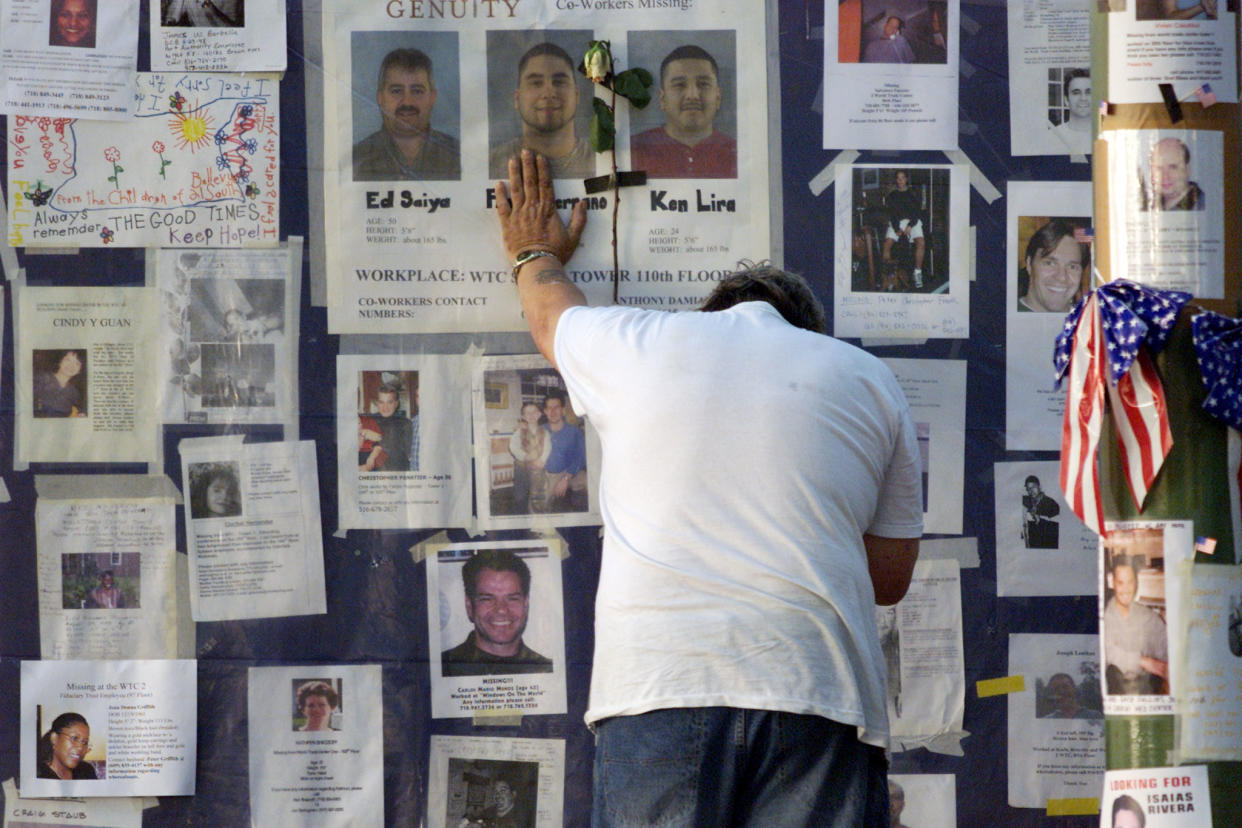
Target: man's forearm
[[545, 291]]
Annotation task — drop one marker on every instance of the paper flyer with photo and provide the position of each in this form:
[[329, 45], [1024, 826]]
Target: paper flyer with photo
[[68, 59], [477, 780], [1140, 595], [1187, 43], [536, 460], [84, 375], [316, 745], [1208, 686], [1157, 798], [1042, 548], [890, 74], [228, 333], [1048, 271], [936, 391], [1050, 104], [198, 165], [435, 104], [109, 812], [403, 441], [1166, 209], [106, 578], [252, 528], [924, 798], [502, 649], [902, 266], [1056, 726], [921, 638], [220, 36], [108, 728]]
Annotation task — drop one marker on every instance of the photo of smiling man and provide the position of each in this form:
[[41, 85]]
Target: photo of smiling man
[[1052, 271]]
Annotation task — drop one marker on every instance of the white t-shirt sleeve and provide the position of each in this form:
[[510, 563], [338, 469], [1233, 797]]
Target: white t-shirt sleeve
[[899, 510]]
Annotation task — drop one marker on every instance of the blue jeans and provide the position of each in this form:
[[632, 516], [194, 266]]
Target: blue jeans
[[703, 767]]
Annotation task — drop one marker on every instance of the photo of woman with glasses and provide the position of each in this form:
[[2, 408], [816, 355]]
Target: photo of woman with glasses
[[62, 750]]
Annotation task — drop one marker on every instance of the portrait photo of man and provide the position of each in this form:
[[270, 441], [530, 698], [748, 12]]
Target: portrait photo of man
[[689, 143], [387, 421], [1062, 699], [496, 584], [538, 100], [1136, 645], [1055, 263], [895, 32], [1040, 526], [1071, 118], [1169, 184], [406, 147]]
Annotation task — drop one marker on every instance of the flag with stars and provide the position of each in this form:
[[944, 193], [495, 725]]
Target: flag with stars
[[1218, 348]]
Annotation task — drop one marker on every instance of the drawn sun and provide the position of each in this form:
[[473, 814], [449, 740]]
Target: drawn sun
[[191, 131]]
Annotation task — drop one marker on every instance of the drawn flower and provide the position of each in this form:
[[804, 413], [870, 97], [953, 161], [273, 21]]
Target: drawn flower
[[252, 190], [176, 101], [158, 148], [113, 155], [106, 234]]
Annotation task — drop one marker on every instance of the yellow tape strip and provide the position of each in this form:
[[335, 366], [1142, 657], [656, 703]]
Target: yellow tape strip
[[1073, 807], [1000, 686]]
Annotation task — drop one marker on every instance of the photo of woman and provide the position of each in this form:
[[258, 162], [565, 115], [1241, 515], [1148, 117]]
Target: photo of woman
[[59, 383], [530, 446], [73, 24], [214, 490], [317, 702], [61, 751]]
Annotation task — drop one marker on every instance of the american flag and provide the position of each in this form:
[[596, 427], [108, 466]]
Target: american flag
[[1205, 95], [1101, 347], [1218, 347]]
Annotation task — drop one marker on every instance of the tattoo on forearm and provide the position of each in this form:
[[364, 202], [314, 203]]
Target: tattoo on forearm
[[551, 276]]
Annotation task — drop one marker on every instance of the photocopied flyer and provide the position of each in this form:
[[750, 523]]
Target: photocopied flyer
[[1166, 208], [108, 728], [84, 375], [198, 165], [495, 614], [1042, 548], [1157, 798], [536, 460], [1185, 43], [931, 797], [902, 257], [316, 745], [921, 638], [220, 36], [252, 528], [107, 586], [890, 74], [403, 440], [1208, 686], [1050, 111], [936, 391], [109, 812], [1056, 727], [435, 106], [1048, 270], [478, 780], [229, 321], [68, 58]]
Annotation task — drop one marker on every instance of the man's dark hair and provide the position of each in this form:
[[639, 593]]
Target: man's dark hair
[[545, 48], [787, 292], [555, 395], [107, 573], [688, 52], [1123, 560], [901, 24], [408, 59], [501, 560], [1125, 802], [1030, 478], [387, 388], [1073, 75], [1045, 240]]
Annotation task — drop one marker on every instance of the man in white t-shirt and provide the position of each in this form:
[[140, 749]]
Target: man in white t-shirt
[[737, 675]]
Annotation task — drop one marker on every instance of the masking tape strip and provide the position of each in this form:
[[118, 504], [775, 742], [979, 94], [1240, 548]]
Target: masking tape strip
[[1084, 806], [829, 173], [1000, 686]]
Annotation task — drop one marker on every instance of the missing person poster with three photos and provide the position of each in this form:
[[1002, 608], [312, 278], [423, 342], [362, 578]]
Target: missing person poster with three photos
[[316, 745], [252, 528], [496, 617], [902, 251], [477, 781], [403, 441], [433, 113], [1048, 271], [228, 319], [84, 375], [106, 568], [108, 728], [1050, 104], [1042, 548], [890, 74]]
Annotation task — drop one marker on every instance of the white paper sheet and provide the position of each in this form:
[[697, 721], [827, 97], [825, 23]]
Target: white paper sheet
[[873, 101], [141, 724], [1145, 50], [403, 253], [474, 686], [84, 375], [322, 778], [1050, 109], [220, 36], [111, 812], [1033, 408], [253, 528], [927, 798], [1056, 728], [1207, 682], [875, 297], [1042, 548], [466, 773], [936, 391], [433, 395], [71, 60], [198, 165], [1165, 797]]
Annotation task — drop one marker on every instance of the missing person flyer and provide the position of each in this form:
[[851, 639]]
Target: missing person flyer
[[435, 106], [108, 728], [495, 615], [1156, 798], [316, 746]]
